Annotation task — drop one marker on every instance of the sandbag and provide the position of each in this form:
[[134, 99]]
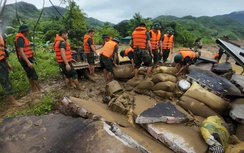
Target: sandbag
[[167, 86], [162, 77], [240, 132], [213, 101], [165, 69], [196, 107], [211, 129], [163, 94], [146, 84], [123, 71], [134, 82]]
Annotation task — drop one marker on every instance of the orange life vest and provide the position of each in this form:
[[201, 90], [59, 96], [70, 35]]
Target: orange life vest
[[87, 48], [187, 53], [128, 50], [58, 52], [139, 37], [27, 49], [108, 49], [155, 37], [168, 41], [216, 56], [2, 49]]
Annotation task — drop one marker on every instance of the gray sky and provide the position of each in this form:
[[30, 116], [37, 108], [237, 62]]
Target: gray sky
[[115, 11]]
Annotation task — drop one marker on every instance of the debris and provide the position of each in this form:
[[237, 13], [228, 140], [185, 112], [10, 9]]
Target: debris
[[161, 112]]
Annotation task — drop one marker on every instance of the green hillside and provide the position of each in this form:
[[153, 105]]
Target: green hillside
[[186, 29]]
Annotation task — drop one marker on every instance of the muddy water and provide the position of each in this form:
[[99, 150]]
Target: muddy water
[[135, 131]]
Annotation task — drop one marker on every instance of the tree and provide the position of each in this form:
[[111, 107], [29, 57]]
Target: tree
[[75, 22], [136, 20], [107, 29]]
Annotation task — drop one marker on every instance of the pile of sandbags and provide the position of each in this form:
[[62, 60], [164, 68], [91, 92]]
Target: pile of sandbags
[[165, 81]]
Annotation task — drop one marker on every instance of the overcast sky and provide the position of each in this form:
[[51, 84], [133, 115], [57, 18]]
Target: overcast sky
[[115, 11]]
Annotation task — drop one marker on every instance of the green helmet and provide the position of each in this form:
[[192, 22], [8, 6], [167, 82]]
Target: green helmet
[[178, 58], [122, 53], [23, 28], [156, 26], [105, 36], [116, 39]]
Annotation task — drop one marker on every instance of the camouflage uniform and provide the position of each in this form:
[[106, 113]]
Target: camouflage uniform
[[142, 56], [4, 78]]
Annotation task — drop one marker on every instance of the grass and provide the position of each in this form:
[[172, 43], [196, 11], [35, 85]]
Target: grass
[[40, 107], [47, 70]]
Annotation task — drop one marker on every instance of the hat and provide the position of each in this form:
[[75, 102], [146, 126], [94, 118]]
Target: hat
[[23, 28], [178, 58], [122, 53], [142, 25], [156, 25], [116, 39], [105, 36]]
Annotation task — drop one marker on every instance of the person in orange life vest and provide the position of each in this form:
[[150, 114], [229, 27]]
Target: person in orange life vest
[[155, 36], [185, 58], [167, 43], [90, 50], [129, 52], [64, 59], [140, 42], [26, 56], [106, 53], [221, 51], [4, 74], [105, 38]]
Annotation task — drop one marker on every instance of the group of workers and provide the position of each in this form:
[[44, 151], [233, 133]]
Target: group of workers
[[25, 57], [147, 47]]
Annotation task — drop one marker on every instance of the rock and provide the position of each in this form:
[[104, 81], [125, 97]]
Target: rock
[[237, 110], [59, 133]]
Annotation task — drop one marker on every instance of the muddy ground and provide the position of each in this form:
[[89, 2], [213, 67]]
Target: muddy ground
[[93, 91]]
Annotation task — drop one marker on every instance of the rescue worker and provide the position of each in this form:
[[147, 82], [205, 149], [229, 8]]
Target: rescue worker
[[90, 50], [140, 42], [105, 38], [221, 51], [167, 41], [197, 45], [4, 74], [128, 52], [64, 59], [155, 36], [26, 57], [185, 58], [106, 53]]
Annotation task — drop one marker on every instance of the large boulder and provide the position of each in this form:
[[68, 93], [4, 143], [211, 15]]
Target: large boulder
[[59, 133]]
